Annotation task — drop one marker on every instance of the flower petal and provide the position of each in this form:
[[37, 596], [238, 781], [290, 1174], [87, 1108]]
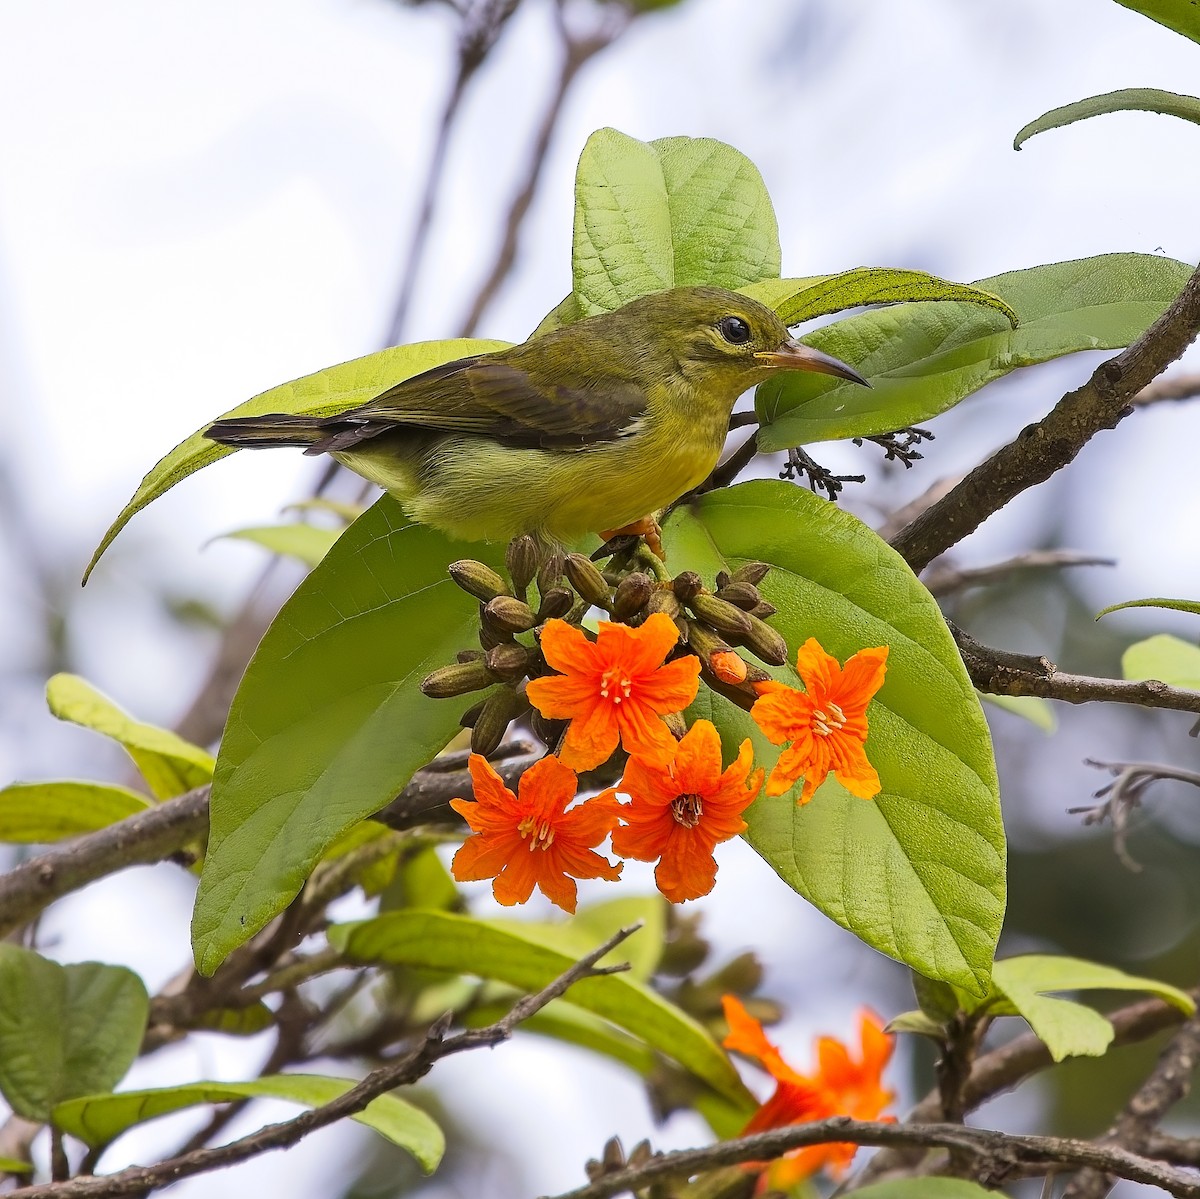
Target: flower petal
[[567, 649], [698, 760], [862, 676], [673, 686], [515, 883], [591, 738], [644, 735], [818, 670], [646, 835], [782, 712], [564, 697], [854, 771], [687, 869], [648, 785], [484, 857], [639, 651], [588, 823]]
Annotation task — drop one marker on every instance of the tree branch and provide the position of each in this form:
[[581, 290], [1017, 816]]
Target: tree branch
[[996, 1154], [411, 1066], [1047, 446], [947, 580]]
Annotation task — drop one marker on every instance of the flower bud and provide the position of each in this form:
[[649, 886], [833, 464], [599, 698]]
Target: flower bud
[[631, 595], [704, 641], [721, 615], [556, 603], [471, 715], [509, 615], [741, 595], [509, 662], [522, 560], [477, 579], [587, 580], [458, 679], [663, 600], [763, 611], [686, 585], [489, 636], [728, 666], [549, 732], [549, 573], [724, 578], [498, 711], [765, 642], [468, 655], [752, 573]]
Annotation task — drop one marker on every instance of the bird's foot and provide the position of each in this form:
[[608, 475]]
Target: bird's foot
[[647, 528], [900, 446], [800, 466]]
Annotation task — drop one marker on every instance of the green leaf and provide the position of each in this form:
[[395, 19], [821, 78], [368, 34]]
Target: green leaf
[[33, 813], [1179, 605], [917, 872], [439, 940], [169, 764], [1039, 712], [1168, 659], [98, 1119], [14, 1165], [237, 1021], [1129, 99], [924, 358], [1070, 1029], [329, 722], [671, 213], [799, 300], [65, 1030], [925, 1188], [918, 1023], [306, 542], [324, 393], [1183, 16]]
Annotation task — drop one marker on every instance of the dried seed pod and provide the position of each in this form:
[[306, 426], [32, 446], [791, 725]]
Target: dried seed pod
[[752, 573], [477, 579], [498, 711], [509, 615], [469, 655], [522, 559], [556, 603], [631, 596], [586, 578], [724, 578], [765, 642], [509, 662], [663, 600], [686, 584], [723, 617], [458, 679], [763, 611], [676, 723], [741, 595]]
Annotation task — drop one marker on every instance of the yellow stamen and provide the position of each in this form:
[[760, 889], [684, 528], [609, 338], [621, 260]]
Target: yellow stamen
[[687, 809], [543, 833]]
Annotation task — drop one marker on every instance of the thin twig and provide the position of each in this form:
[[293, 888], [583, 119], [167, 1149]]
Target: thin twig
[[407, 1069], [1173, 388], [996, 1154], [1047, 446], [947, 580]]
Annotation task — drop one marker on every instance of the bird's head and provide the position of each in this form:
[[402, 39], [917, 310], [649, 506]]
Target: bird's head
[[725, 341]]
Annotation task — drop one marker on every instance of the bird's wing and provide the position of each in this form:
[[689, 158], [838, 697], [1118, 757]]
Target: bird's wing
[[492, 398]]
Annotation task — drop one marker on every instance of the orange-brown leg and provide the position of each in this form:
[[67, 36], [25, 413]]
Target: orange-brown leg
[[647, 528]]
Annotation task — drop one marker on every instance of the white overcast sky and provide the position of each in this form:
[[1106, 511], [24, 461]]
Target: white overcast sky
[[200, 201]]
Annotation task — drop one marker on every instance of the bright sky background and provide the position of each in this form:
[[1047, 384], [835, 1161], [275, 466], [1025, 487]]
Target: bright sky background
[[198, 202]]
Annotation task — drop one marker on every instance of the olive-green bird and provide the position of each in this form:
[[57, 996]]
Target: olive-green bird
[[581, 430]]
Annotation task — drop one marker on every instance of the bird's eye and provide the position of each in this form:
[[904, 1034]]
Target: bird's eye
[[734, 330]]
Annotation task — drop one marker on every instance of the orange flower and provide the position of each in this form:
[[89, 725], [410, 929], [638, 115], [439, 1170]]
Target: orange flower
[[614, 689], [843, 1086], [533, 840], [682, 811], [826, 723]]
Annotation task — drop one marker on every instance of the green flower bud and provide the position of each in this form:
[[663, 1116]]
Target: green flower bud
[[721, 615], [763, 611], [497, 714], [556, 603], [448, 681], [587, 580], [687, 585], [477, 579], [663, 600], [741, 595], [509, 662], [509, 615], [752, 573], [631, 595], [522, 559], [765, 642]]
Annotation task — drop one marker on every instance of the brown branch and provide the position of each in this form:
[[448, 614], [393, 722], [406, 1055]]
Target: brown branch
[[947, 580], [159, 832], [411, 1066], [1011, 1064], [1001, 672], [578, 50], [1179, 1151], [1047, 446], [996, 1154], [1177, 387], [1167, 1084]]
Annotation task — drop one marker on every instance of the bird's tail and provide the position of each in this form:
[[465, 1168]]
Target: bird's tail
[[261, 432]]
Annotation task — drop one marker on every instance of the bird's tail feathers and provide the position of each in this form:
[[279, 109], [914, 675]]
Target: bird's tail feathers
[[317, 434]]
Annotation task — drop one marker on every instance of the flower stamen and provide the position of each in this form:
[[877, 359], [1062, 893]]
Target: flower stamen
[[687, 809]]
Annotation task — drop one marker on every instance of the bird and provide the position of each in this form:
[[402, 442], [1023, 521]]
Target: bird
[[588, 428]]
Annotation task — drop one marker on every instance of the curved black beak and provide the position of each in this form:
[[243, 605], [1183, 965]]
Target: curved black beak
[[796, 356]]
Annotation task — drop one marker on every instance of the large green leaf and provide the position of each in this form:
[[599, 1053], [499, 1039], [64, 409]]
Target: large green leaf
[[329, 722], [324, 393], [1183, 16], [1168, 659], [169, 764], [917, 872], [1068, 1028], [676, 212], [924, 358], [40, 812], [1192, 606], [99, 1119], [308, 543], [439, 940], [925, 1188], [1129, 99], [65, 1030], [799, 300]]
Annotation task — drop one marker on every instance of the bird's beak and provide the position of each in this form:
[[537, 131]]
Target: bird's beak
[[796, 356]]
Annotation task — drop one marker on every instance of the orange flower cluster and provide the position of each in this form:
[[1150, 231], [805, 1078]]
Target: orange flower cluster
[[845, 1084], [615, 691]]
